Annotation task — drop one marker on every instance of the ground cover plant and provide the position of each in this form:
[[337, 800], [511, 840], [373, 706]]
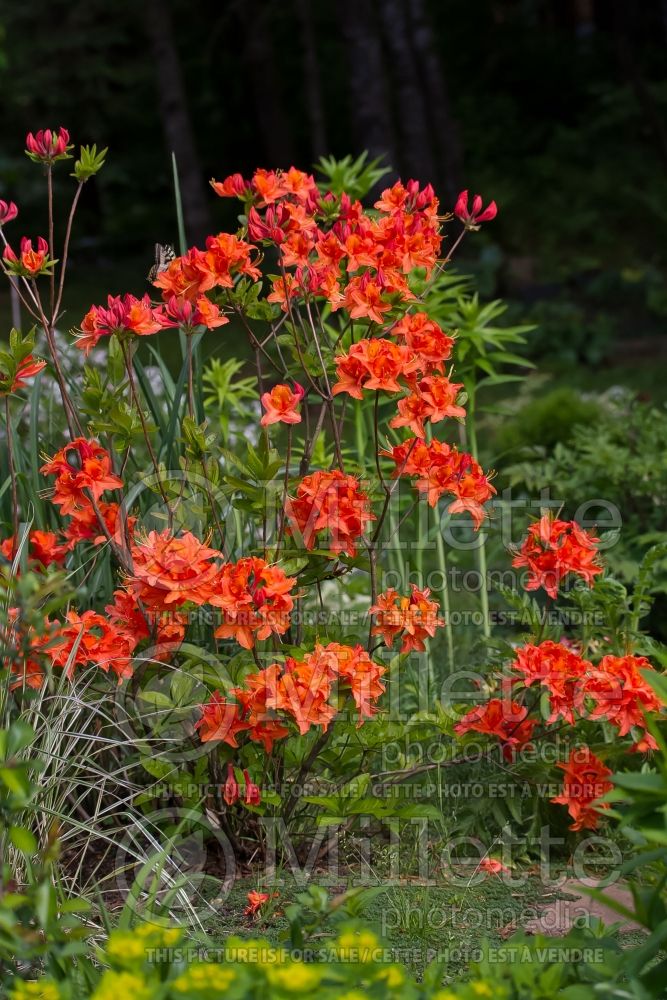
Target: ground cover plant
[[231, 640]]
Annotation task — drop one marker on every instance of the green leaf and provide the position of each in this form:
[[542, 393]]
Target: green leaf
[[23, 840]]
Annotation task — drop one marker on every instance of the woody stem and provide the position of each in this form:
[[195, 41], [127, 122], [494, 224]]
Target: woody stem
[[52, 274], [12, 474], [63, 263]]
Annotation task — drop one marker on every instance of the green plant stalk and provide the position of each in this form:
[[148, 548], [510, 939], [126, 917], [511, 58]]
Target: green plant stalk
[[442, 566], [12, 475], [481, 550], [446, 604]]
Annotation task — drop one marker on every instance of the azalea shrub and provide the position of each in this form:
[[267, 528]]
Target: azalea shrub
[[220, 537]]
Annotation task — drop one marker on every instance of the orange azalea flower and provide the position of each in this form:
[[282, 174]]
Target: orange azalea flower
[[505, 719], [256, 901], [232, 187], [329, 249], [585, 782], [398, 198], [169, 570], [623, 696], [303, 690], [23, 652], [363, 299], [123, 315], [186, 277], [413, 410], [558, 669], [415, 616], [84, 525], [227, 255], [299, 690], [433, 398], [552, 549], [25, 370], [91, 639], [374, 364], [329, 503], [440, 469], [296, 249], [300, 184], [89, 473], [258, 698], [425, 339], [440, 396], [362, 674], [221, 720], [283, 289], [189, 314], [268, 185], [26, 674], [493, 866], [29, 263], [280, 405], [167, 631], [255, 600], [43, 547]]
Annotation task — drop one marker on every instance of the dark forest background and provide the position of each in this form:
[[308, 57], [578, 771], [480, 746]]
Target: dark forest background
[[555, 108]]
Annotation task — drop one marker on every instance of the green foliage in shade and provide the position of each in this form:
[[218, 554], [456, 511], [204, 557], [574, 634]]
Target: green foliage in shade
[[545, 422]]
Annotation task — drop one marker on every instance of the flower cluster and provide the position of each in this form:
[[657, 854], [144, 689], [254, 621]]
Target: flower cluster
[[44, 548], [303, 692], [84, 471], [585, 781], [413, 618], [553, 549], [81, 640], [441, 469], [184, 282], [615, 690], [170, 570], [337, 250], [329, 504], [123, 315], [507, 720], [255, 600]]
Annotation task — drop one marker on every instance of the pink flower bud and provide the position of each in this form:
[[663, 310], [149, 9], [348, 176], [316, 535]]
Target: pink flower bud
[[230, 792], [8, 211], [47, 146], [471, 218], [253, 796]]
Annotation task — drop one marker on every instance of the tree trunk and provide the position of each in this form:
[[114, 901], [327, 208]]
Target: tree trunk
[[311, 80], [438, 106], [418, 159], [370, 108], [175, 115]]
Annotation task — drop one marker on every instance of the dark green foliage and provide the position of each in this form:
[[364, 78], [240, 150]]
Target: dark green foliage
[[546, 421]]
